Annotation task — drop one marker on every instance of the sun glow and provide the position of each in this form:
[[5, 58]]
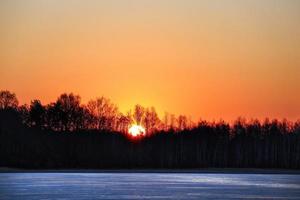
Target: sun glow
[[136, 130]]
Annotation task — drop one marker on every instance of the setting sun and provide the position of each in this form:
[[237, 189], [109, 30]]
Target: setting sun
[[136, 130]]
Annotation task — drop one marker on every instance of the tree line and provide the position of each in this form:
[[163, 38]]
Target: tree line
[[68, 134], [68, 114]]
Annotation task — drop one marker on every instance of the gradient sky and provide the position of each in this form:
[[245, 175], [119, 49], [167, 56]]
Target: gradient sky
[[210, 59]]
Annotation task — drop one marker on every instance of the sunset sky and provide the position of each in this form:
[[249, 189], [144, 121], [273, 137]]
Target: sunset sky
[[207, 59]]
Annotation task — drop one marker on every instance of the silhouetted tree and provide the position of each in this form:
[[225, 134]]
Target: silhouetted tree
[[166, 122], [173, 122], [138, 113], [24, 114], [66, 114], [37, 114], [8, 100], [123, 122], [182, 122], [151, 120], [105, 113]]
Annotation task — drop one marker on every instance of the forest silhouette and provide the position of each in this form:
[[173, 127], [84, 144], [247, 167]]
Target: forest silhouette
[[68, 134]]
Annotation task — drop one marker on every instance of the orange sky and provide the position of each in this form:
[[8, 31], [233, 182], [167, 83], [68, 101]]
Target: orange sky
[[210, 59]]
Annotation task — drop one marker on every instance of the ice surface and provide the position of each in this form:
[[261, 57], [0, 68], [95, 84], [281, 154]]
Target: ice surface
[[148, 186]]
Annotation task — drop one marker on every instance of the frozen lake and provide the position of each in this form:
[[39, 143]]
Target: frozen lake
[[148, 186]]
